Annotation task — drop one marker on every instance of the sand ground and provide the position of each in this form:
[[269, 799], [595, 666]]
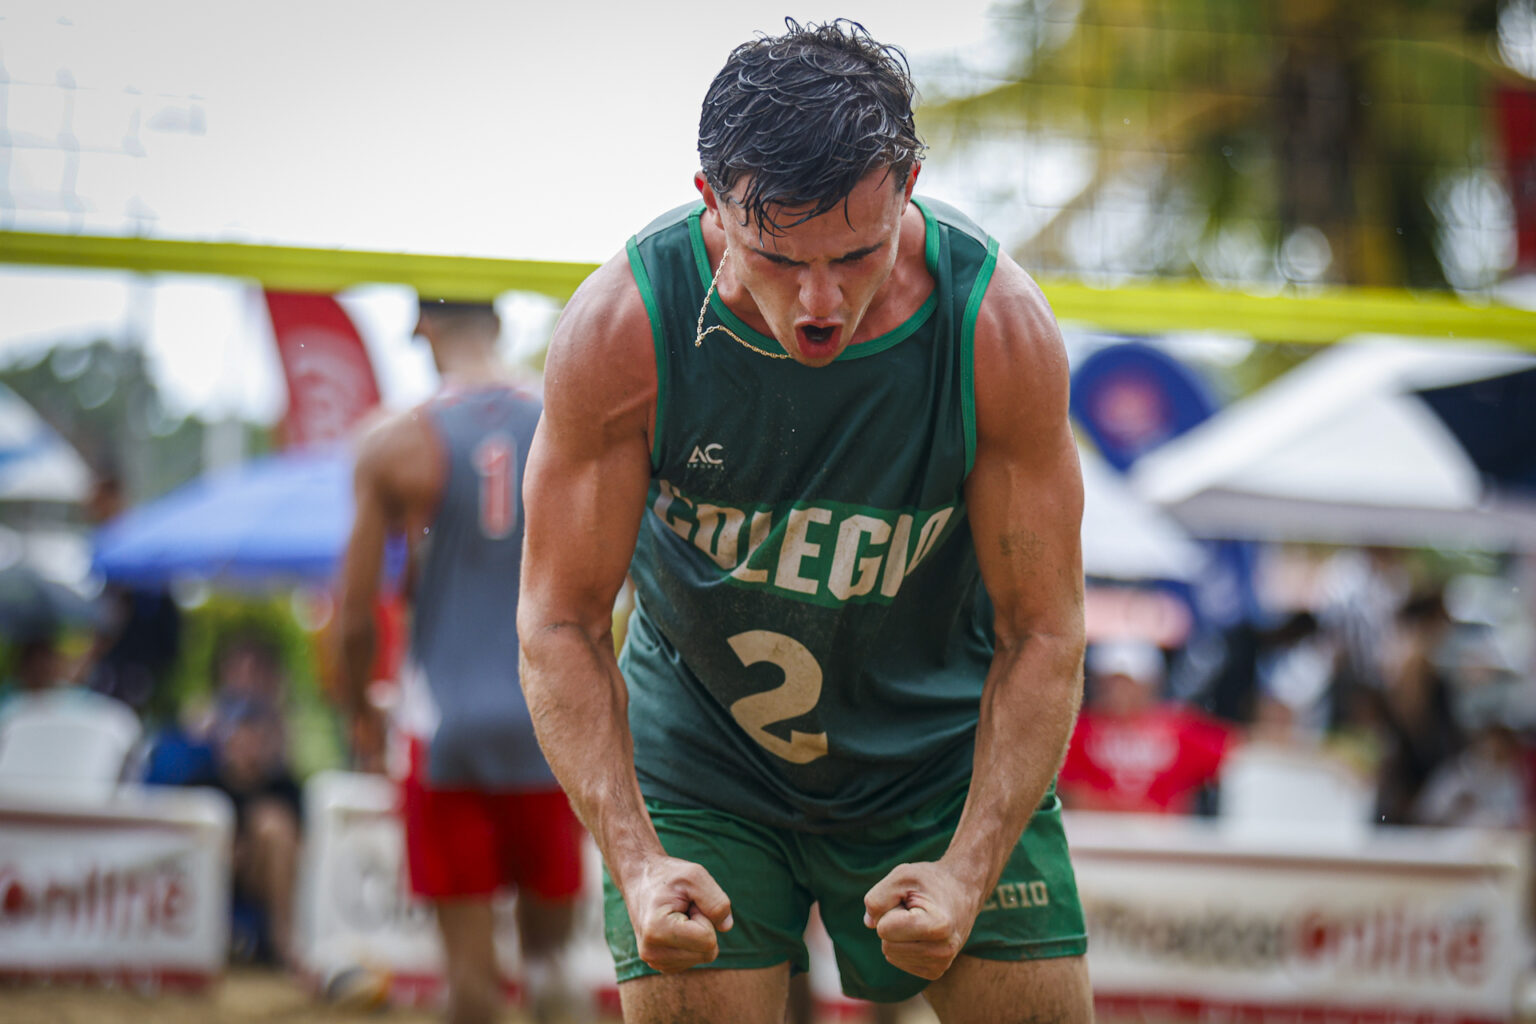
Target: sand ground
[[246, 996]]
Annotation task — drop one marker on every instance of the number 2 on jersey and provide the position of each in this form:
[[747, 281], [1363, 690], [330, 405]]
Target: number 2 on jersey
[[798, 694], [496, 466]]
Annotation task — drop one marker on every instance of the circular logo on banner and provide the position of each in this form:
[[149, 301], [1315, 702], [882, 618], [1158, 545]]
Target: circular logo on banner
[[1132, 411], [1129, 398]]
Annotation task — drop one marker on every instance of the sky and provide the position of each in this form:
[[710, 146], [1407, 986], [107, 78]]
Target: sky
[[508, 129]]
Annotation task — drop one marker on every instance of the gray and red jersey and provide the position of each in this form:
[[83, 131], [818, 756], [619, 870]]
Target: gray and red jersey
[[462, 698]]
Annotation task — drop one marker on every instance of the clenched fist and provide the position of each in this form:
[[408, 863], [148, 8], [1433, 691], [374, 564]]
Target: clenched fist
[[923, 916], [676, 909]]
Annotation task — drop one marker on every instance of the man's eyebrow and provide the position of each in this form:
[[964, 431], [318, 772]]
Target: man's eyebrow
[[847, 257]]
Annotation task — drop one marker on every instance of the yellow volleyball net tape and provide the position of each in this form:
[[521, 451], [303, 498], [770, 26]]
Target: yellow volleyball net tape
[[1316, 316]]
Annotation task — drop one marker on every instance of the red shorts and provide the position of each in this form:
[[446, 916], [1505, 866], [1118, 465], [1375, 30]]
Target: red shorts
[[470, 842]]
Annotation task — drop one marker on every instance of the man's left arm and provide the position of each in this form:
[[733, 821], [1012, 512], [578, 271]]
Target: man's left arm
[[1025, 500]]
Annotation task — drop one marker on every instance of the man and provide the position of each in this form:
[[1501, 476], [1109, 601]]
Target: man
[[1133, 751], [818, 415], [481, 808]]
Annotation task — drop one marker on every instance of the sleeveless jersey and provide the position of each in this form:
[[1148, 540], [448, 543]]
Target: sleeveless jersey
[[810, 636], [462, 695]]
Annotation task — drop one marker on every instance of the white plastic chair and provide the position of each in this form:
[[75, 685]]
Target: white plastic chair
[[65, 743]]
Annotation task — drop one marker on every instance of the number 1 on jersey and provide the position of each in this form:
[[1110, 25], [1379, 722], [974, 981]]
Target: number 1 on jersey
[[496, 466]]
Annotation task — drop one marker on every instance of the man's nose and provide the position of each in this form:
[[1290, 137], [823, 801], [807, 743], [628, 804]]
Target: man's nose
[[820, 293]]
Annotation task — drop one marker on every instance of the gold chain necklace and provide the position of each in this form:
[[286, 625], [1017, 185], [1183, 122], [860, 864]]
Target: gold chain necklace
[[700, 333]]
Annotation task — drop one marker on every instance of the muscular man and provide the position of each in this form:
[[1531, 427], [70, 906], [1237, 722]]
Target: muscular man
[[481, 808], [824, 427]]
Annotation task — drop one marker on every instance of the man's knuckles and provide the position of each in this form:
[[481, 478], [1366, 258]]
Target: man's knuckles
[[668, 958], [909, 926]]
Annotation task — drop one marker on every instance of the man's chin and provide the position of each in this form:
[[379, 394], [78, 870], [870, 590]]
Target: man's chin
[[820, 357]]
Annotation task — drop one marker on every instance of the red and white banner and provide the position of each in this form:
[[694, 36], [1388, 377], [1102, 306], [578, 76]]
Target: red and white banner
[[134, 891], [331, 384], [1191, 919]]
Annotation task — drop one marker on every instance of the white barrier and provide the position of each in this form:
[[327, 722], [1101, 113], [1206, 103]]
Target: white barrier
[[1186, 918], [130, 890], [355, 909], [1390, 925]]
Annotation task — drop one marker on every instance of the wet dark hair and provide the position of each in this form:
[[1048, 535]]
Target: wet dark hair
[[806, 115]]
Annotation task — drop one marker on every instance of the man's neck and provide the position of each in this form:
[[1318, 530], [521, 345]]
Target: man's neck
[[471, 369]]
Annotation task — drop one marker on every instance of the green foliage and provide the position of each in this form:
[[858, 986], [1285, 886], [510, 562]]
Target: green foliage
[[103, 399], [1328, 114]]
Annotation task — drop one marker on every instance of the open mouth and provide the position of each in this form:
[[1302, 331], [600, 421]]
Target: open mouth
[[815, 339]]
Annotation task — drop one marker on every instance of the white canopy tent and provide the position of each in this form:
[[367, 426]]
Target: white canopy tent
[[1125, 538], [1340, 451]]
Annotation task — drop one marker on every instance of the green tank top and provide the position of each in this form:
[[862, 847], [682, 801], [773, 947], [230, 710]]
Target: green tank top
[[810, 636]]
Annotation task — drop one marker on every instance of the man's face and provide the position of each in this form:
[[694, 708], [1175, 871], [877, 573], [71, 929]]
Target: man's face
[[813, 283]]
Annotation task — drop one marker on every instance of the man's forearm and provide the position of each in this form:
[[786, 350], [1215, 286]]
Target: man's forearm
[[1028, 709], [358, 642], [580, 710]]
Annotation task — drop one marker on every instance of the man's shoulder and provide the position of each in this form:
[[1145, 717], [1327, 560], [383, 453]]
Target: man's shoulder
[[605, 320], [394, 446], [1015, 327]]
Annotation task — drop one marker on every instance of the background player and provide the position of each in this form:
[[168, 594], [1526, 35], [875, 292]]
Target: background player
[[481, 808]]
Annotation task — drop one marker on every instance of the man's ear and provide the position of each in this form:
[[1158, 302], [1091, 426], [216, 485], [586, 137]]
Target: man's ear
[[912, 178], [711, 201]]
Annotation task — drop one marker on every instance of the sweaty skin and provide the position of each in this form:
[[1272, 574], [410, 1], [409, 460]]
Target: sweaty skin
[[840, 279]]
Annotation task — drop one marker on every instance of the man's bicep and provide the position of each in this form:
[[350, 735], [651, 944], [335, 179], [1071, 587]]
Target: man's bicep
[[1025, 492], [1026, 514], [583, 508], [589, 467]]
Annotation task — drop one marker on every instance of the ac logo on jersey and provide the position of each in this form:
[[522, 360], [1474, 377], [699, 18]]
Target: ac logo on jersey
[[707, 455]]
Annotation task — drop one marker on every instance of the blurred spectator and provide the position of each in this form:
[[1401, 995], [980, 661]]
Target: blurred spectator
[[242, 757], [1217, 671], [1485, 786], [1296, 664], [138, 646], [1414, 710], [1362, 590], [239, 747], [246, 664], [1132, 751]]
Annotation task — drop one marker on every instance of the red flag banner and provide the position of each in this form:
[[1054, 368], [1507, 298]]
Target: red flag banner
[[1517, 129], [330, 379]]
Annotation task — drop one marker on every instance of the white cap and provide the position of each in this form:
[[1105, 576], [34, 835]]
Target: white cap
[[1135, 658]]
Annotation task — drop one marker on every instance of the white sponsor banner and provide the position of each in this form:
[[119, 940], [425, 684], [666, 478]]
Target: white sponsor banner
[[133, 889], [356, 909], [1384, 924]]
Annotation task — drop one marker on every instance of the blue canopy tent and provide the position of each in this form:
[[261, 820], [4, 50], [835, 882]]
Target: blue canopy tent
[[276, 519], [1494, 419]]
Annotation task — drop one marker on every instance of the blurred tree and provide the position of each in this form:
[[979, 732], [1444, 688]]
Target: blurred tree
[[103, 399], [1309, 141]]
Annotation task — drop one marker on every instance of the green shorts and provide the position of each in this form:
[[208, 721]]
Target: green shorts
[[773, 875]]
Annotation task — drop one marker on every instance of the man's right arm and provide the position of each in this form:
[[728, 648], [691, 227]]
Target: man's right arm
[[584, 494], [396, 474]]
